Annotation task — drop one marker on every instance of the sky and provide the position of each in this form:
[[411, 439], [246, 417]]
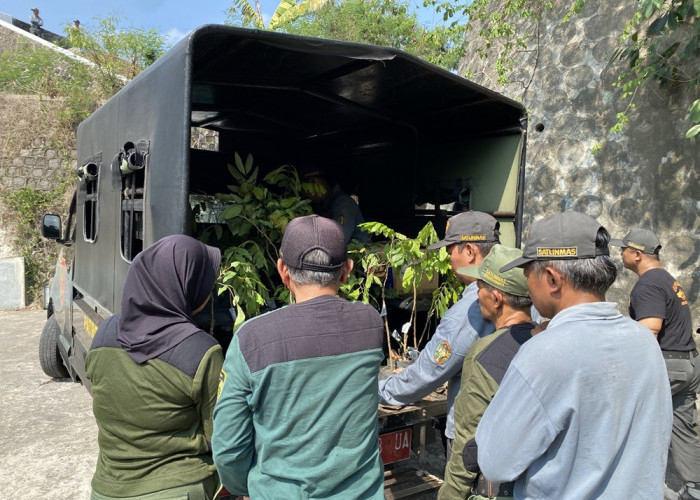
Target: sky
[[174, 18]]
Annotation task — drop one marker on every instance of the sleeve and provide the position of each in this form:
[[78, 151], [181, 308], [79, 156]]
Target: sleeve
[[509, 445], [647, 301], [477, 390], [206, 381], [437, 363], [233, 438]]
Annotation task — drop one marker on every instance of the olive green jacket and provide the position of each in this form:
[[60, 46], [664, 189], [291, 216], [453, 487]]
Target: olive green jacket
[[483, 369]]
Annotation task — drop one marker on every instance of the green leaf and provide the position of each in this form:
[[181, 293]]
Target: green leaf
[[658, 25], [693, 131], [231, 212], [239, 163], [694, 114], [240, 318], [248, 163]]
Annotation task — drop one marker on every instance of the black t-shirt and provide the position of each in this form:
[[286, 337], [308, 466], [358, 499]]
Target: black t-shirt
[[657, 294]]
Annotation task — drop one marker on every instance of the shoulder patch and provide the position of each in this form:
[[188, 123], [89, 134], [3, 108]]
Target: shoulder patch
[[442, 352], [222, 379]]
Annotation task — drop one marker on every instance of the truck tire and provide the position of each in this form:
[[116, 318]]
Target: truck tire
[[49, 356]]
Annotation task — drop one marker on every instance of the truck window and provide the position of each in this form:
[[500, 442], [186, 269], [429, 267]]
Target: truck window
[[132, 160], [89, 177]]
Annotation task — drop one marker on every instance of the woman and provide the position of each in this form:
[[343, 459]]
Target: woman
[[154, 378]]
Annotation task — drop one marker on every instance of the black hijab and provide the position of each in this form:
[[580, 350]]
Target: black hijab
[[165, 283]]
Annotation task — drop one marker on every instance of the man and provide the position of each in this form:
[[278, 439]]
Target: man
[[584, 410], [658, 302], [336, 204], [297, 411], [504, 301], [468, 239], [35, 22]]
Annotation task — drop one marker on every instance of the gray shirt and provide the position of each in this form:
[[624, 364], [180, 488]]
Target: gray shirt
[[584, 411]]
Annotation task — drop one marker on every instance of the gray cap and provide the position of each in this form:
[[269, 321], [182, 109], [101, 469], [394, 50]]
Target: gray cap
[[469, 227], [311, 232], [640, 239], [565, 236]]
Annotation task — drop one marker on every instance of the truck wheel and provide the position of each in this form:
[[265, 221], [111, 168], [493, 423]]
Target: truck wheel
[[49, 356]]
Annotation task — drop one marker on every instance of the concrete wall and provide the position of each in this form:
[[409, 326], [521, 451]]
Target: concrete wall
[[646, 176]]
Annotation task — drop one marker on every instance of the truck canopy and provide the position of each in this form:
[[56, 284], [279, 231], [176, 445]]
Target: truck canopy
[[407, 137]]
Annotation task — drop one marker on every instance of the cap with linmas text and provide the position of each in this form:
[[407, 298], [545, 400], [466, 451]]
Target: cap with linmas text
[[564, 236], [469, 227], [640, 239], [312, 232]]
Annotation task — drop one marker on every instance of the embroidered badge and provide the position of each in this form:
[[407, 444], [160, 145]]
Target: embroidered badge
[[222, 379], [442, 352], [680, 293]]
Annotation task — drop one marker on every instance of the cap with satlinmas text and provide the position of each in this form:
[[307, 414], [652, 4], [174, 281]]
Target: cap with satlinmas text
[[469, 227], [640, 239], [564, 236], [512, 281]]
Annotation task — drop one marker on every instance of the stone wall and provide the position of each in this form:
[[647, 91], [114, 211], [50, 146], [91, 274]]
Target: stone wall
[[645, 176], [32, 154]]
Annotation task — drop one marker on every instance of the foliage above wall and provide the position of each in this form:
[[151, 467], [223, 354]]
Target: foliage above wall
[[117, 54], [660, 43]]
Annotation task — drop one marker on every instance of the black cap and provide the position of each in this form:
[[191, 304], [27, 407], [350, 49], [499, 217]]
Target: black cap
[[312, 232], [469, 227], [564, 236], [640, 239]]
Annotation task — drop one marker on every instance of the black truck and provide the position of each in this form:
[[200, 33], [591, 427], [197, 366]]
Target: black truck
[[418, 143]]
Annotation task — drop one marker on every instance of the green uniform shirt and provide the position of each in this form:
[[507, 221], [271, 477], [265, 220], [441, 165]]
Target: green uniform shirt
[[154, 419], [483, 369]]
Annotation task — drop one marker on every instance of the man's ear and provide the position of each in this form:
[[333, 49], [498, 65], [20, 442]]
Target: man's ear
[[472, 252], [347, 269], [498, 299], [554, 279], [283, 271]]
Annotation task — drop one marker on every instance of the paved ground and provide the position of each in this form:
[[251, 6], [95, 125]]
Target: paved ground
[[47, 431], [48, 434]]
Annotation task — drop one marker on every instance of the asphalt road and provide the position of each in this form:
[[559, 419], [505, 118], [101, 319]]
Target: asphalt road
[[47, 431]]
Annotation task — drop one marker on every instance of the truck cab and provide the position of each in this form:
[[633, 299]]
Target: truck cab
[[416, 144]]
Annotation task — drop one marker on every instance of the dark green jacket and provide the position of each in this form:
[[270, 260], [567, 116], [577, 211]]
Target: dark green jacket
[[154, 419]]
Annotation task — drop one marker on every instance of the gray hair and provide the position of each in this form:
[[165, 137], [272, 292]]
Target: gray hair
[[514, 301], [320, 278], [593, 275]]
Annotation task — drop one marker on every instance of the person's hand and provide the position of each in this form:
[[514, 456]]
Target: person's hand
[[539, 328]]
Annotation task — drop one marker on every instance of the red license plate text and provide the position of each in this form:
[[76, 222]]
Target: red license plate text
[[395, 446]]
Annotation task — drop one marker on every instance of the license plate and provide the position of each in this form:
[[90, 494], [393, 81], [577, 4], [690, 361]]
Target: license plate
[[395, 446]]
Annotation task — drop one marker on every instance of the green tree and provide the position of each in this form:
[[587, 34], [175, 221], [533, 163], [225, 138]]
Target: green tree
[[244, 13], [118, 53], [383, 22]]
